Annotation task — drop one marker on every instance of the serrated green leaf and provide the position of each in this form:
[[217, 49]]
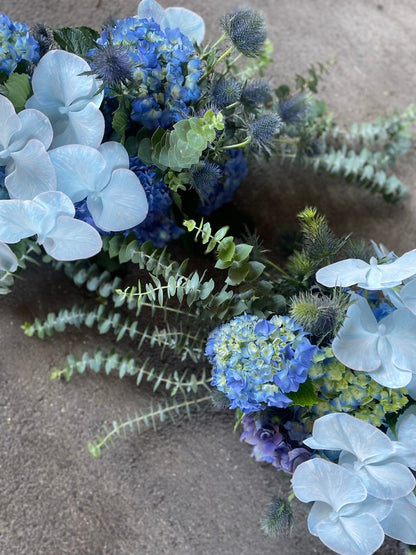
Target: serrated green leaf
[[305, 396], [18, 90], [78, 40]]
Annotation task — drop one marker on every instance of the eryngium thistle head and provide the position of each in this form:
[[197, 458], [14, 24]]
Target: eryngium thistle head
[[262, 131], [294, 109], [225, 91], [318, 314], [204, 177], [256, 93], [246, 30], [112, 64], [44, 37], [278, 518]]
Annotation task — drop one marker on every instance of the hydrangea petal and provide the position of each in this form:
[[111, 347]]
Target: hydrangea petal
[[122, 204], [150, 9], [84, 127], [10, 123], [80, 170], [344, 432], [19, 219], [343, 273], [405, 446], [58, 81], [188, 22], [72, 239], [35, 125], [356, 342], [319, 511], [8, 260], [358, 535], [321, 480], [411, 387], [115, 155], [400, 523], [30, 172], [408, 295]]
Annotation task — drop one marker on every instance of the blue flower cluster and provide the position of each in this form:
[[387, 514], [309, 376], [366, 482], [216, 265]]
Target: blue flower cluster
[[165, 70], [159, 225], [216, 188], [16, 44], [270, 445], [256, 361]]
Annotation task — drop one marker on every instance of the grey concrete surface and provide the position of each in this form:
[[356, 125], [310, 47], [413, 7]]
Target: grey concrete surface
[[191, 489]]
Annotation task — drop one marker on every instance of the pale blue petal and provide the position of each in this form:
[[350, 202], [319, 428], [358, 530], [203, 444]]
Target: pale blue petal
[[321, 480], [400, 524], [389, 375], [411, 387], [10, 124], [72, 239], [115, 156], [150, 9], [122, 204], [188, 22], [400, 269], [8, 260], [30, 172], [405, 446], [319, 512], [54, 204], [35, 125], [379, 508], [408, 295], [359, 535], [80, 170], [387, 481], [340, 431], [401, 332], [343, 273], [57, 80], [84, 127], [19, 219], [356, 342]]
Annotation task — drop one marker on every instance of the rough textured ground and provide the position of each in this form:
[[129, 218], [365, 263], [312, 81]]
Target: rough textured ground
[[191, 489]]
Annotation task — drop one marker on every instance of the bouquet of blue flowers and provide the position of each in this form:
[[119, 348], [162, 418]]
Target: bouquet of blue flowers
[[111, 144]]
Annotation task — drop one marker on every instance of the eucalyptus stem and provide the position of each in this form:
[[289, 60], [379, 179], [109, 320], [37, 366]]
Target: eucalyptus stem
[[237, 145]]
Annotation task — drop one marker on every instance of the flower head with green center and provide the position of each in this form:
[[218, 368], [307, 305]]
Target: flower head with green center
[[256, 362]]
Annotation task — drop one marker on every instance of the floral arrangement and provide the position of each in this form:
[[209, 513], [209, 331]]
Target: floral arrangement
[[111, 144]]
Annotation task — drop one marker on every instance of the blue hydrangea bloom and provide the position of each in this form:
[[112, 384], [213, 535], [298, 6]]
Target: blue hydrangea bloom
[[257, 362], [221, 187], [16, 44], [159, 225], [165, 70]]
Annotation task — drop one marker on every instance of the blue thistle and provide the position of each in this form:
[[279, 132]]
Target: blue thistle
[[204, 177], [256, 93], [246, 30], [262, 131], [44, 37], [16, 44], [294, 109], [225, 91], [111, 63]]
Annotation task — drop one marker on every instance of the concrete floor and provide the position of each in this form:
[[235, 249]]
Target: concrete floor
[[191, 489]]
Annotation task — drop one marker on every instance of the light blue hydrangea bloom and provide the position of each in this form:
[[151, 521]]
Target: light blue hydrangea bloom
[[385, 349], [405, 438], [373, 276], [69, 98], [366, 450], [16, 44], [8, 260], [343, 516], [115, 197], [50, 216], [24, 140], [257, 362], [188, 22]]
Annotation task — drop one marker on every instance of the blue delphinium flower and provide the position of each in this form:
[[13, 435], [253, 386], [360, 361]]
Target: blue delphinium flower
[[215, 184], [159, 225], [262, 430], [16, 44], [165, 70], [257, 362], [246, 30]]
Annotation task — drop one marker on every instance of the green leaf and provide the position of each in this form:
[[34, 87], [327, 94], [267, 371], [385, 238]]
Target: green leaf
[[18, 90], [305, 396], [121, 118], [226, 250], [78, 40]]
